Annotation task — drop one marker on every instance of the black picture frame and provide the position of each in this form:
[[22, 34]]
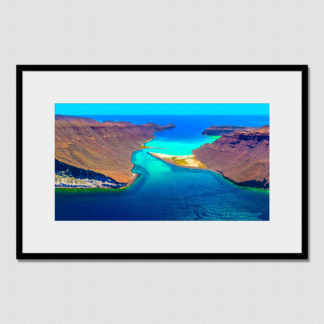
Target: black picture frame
[[303, 255]]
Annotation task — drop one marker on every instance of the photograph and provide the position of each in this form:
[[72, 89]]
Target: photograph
[[162, 162], [194, 159]]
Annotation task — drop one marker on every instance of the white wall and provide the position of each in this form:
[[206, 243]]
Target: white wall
[[160, 32]]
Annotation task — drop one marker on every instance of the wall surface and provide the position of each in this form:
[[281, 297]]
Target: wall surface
[[160, 32]]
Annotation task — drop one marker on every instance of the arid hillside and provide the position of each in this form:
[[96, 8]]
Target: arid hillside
[[241, 156], [104, 148]]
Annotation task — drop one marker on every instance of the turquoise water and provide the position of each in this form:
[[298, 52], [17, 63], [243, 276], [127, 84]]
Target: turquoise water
[[167, 192]]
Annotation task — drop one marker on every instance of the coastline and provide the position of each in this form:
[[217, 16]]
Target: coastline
[[190, 160], [128, 184], [172, 162], [133, 179], [107, 164]]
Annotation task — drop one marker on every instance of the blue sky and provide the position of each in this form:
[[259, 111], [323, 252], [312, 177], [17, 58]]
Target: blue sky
[[83, 109]]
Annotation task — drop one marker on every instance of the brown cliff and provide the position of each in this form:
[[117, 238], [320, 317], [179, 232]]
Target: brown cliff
[[105, 148], [242, 157], [222, 130]]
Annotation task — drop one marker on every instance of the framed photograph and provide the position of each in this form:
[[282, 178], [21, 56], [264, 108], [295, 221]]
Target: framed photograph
[[162, 162]]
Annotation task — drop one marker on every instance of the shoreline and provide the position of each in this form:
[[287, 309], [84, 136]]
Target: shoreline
[[108, 165], [128, 184], [172, 162], [133, 179], [170, 159]]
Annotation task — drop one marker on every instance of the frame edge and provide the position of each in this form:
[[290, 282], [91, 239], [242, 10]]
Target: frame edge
[[19, 162], [20, 255]]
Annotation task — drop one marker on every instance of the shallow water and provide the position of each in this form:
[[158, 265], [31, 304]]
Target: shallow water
[[167, 192]]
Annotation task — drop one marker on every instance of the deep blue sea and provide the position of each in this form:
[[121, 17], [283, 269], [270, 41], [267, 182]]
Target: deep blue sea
[[167, 192]]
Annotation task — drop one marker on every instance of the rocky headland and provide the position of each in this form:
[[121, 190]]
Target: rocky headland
[[240, 156], [88, 150], [222, 130]]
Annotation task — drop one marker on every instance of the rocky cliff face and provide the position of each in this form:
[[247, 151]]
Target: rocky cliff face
[[241, 156], [222, 130], [104, 148], [68, 176]]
